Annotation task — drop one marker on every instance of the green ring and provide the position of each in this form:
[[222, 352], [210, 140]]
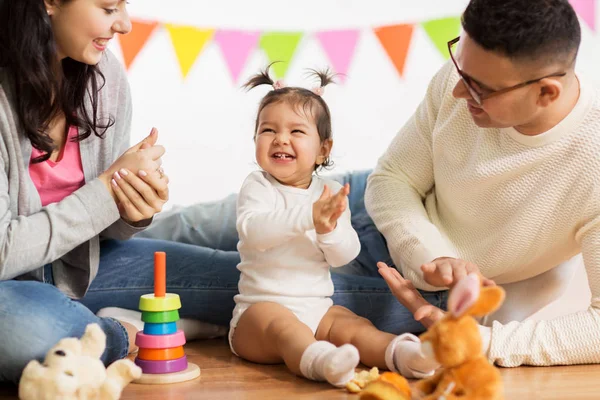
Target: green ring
[[161, 317]]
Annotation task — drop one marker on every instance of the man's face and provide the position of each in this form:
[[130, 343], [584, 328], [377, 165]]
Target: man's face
[[488, 72]]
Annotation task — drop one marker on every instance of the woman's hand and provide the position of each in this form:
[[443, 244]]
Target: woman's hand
[[145, 156], [140, 197]]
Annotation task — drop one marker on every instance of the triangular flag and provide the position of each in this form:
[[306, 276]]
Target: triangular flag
[[395, 40], [586, 10], [188, 43], [441, 31], [280, 46], [339, 47], [132, 43], [236, 46]]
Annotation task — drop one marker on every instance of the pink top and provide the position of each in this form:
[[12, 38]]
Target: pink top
[[55, 180]]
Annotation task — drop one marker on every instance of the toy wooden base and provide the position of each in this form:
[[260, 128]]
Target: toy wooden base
[[192, 372]]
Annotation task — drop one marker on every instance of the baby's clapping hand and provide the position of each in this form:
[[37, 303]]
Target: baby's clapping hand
[[329, 208]]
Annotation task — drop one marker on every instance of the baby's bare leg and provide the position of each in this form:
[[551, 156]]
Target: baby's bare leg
[[269, 333], [377, 349], [341, 326]]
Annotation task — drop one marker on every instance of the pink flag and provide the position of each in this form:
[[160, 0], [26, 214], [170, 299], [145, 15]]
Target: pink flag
[[236, 47], [586, 10], [339, 47]]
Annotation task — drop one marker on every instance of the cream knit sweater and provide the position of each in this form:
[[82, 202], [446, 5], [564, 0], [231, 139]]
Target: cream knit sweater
[[515, 205]]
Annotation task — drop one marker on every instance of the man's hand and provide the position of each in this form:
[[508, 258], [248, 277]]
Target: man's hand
[[406, 293], [447, 271]]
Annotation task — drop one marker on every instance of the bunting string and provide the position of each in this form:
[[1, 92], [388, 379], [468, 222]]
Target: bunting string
[[339, 46]]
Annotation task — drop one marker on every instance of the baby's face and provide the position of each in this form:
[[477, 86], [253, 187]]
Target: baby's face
[[288, 145]]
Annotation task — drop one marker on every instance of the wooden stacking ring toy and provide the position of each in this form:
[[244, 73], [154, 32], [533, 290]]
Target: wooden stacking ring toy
[[161, 355]]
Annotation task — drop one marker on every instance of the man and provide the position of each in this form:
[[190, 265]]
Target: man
[[497, 173]]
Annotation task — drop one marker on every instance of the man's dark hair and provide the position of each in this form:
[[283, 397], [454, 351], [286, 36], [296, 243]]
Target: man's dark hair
[[525, 30]]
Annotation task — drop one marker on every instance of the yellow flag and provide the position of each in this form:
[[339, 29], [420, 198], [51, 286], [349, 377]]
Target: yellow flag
[[188, 42]]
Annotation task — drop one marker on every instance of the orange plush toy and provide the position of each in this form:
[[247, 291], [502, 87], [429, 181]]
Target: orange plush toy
[[456, 344]]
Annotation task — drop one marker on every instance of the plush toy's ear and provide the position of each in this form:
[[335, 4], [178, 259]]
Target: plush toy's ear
[[93, 341], [490, 299], [464, 295]]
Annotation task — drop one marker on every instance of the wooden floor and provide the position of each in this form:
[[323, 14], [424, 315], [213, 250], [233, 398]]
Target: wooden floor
[[224, 377]]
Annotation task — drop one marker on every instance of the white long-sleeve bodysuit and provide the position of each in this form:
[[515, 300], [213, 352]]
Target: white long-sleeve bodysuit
[[283, 259]]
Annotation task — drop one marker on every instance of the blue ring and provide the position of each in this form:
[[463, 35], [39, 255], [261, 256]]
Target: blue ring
[[160, 329]]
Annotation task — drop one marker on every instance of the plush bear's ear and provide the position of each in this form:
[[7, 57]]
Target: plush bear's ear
[[490, 299], [464, 295], [93, 341]]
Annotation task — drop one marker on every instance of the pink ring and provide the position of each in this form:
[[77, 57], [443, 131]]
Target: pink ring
[[162, 367], [160, 341]]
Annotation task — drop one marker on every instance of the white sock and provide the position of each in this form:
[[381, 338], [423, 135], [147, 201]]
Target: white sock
[[322, 361], [193, 329], [121, 314], [403, 355]]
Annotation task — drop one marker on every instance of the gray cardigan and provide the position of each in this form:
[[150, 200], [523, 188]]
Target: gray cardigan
[[66, 234]]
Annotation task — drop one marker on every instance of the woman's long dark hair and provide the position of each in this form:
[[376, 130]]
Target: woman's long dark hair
[[44, 88]]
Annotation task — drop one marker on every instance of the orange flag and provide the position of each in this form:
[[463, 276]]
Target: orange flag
[[395, 39], [132, 43]]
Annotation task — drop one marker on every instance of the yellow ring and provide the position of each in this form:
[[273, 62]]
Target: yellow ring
[[150, 303]]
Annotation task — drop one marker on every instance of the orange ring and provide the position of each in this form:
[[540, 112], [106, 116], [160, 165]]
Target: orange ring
[[161, 354]]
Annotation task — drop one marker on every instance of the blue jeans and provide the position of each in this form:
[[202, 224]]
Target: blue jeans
[[201, 268]]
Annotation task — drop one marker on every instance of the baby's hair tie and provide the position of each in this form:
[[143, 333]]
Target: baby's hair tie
[[318, 90], [278, 84]]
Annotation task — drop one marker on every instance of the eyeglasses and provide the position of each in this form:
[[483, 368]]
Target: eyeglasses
[[480, 96]]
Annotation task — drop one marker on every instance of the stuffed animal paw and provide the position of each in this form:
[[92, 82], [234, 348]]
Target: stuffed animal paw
[[361, 379]]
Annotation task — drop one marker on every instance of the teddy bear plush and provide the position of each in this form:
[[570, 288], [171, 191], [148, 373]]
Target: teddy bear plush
[[72, 370], [455, 342]]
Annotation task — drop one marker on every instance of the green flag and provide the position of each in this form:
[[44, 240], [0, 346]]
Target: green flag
[[441, 31], [280, 46]]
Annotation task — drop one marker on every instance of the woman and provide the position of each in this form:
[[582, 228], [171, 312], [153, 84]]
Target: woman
[[71, 191], [70, 188]]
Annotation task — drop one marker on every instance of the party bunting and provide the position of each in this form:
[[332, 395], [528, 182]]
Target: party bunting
[[395, 40], [188, 43], [586, 10], [440, 31], [132, 43], [339, 47], [236, 47], [280, 48]]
